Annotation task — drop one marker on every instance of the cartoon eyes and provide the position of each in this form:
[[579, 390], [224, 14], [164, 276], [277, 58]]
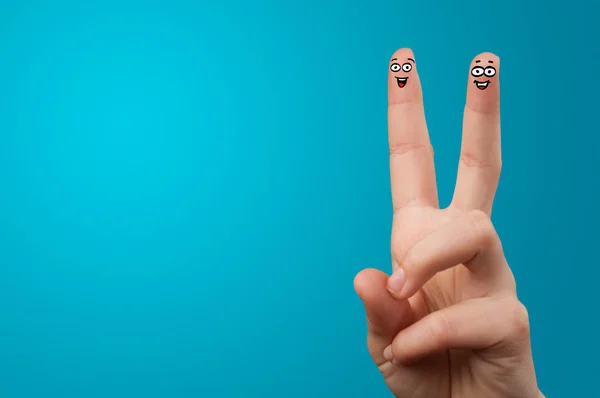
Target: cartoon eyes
[[480, 71], [490, 71], [477, 71], [405, 67]]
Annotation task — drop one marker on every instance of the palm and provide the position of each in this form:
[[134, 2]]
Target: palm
[[445, 288]]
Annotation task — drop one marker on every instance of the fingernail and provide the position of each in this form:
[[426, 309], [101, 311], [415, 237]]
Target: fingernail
[[387, 353], [396, 281]]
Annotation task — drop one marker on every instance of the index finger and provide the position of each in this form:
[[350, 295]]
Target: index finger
[[411, 155]]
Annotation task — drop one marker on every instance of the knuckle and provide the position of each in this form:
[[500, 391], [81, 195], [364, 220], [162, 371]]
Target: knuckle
[[402, 147], [471, 160], [439, 328], [518, 316], [484, 230], [478, 216], [412, 260]]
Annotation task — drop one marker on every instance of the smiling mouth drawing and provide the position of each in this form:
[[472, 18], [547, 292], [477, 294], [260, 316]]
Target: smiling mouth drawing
[[401, 81], [482, 85]]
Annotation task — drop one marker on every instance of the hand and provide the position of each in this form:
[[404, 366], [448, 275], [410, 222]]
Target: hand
[[447, 323]]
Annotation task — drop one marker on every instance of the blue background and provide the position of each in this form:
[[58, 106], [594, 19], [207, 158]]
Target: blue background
[[187, 189]]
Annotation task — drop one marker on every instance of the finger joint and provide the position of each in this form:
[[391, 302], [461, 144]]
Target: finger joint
[[403, 147], [472, 161]]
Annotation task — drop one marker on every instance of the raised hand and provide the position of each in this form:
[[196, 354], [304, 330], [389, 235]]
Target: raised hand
[[447, 322]]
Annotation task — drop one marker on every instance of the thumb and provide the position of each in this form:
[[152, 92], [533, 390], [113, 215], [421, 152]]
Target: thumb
[[386, 315]]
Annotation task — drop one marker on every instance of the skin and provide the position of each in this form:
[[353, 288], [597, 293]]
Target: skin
[[447, 322]]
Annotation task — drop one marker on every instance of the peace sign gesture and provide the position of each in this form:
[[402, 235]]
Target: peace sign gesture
[[447, 323]]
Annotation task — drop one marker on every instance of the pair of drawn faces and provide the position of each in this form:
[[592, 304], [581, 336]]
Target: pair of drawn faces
[[482, 74]]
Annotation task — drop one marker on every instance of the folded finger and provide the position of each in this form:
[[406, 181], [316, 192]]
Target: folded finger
[[474, 324], [469, 239]]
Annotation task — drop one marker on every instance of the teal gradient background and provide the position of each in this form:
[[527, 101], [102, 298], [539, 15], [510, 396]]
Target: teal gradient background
[[188, 188]]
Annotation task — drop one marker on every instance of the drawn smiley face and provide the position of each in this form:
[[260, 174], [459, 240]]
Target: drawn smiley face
[[402, 70], [483, 74]]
